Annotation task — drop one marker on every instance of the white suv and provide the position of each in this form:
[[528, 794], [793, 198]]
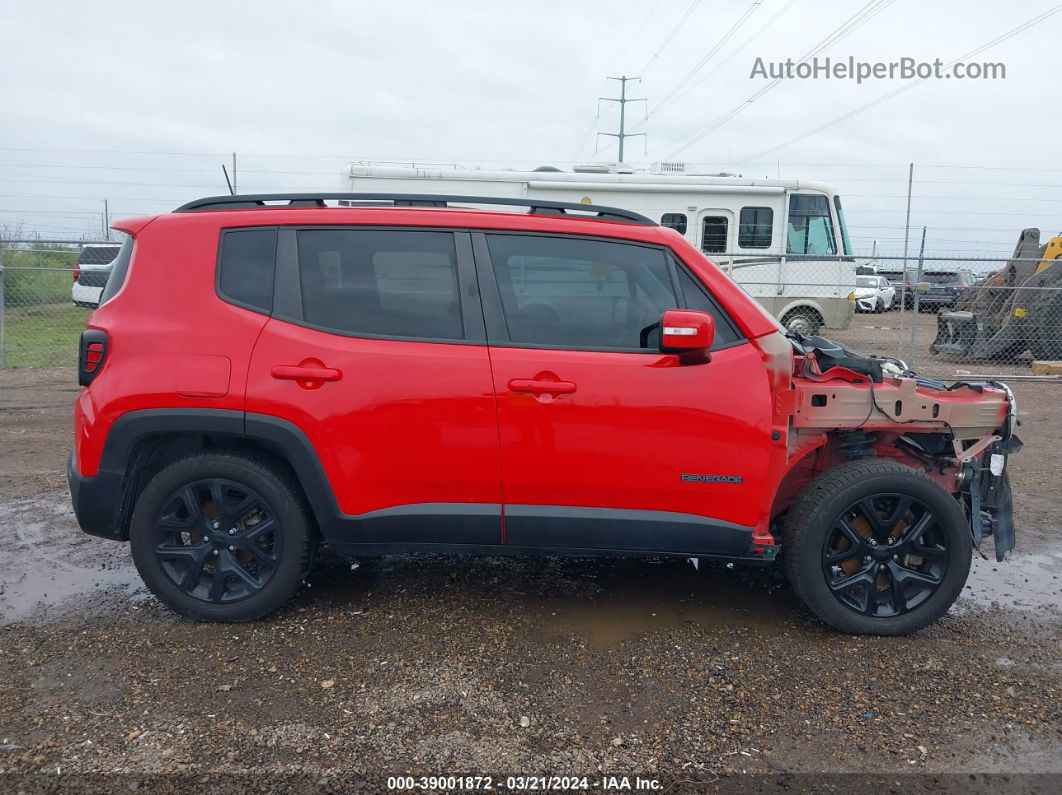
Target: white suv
[[91, 272]]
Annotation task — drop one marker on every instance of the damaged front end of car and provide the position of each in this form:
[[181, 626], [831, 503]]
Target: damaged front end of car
[[848, 405]]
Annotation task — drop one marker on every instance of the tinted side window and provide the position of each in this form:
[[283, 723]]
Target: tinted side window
[[381, 283], [248, 259], [119, 271], [580, 293], [754, 227], [696, 297], [713, 234], [676, 221]]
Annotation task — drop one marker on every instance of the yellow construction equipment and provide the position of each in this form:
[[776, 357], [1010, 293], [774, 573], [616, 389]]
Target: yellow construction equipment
[[1015, 310]]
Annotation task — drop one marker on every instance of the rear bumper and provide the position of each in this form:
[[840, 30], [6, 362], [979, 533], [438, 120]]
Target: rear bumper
[[97, 502], [82, 295]]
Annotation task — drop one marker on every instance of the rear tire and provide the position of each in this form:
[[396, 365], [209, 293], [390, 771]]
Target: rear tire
[[843, 566], [236, 563]]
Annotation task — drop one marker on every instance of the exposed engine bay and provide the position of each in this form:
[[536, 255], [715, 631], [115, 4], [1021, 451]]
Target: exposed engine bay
[[847, 405]]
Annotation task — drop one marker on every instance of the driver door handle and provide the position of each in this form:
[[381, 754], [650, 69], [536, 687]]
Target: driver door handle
[[538, 386]]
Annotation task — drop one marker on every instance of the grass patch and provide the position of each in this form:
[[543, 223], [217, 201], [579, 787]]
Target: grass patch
[[44, 335]]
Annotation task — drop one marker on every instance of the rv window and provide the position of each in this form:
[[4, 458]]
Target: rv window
[[713, 234], [754, 227], [810, 226], [845, 241], [676, 221]]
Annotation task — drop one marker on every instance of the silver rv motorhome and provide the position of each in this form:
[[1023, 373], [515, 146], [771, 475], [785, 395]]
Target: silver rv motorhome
[[783, 240]]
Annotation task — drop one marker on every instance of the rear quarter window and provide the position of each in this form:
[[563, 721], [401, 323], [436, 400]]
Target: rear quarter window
[[246, 266], [119, 271]]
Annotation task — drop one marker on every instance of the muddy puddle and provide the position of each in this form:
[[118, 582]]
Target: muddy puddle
[[49, 568], [622, 599], [1026, 582]]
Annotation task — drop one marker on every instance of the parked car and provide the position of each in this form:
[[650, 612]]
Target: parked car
[[91, 271], [381, 378], [941, 287], [874, 294]]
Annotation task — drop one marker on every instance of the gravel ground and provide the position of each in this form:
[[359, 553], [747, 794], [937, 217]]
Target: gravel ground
[[442, 665]]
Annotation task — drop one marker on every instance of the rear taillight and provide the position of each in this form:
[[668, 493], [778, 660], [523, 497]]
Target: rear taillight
[[77, 272], [92, 353]]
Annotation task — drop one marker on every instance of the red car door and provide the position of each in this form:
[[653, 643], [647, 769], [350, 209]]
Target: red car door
[[376, 354], [606, 442]]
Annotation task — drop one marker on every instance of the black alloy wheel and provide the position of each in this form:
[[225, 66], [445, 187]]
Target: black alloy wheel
[[885, 555], [218, 540]]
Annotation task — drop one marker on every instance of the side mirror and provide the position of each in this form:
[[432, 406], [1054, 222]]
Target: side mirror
[[685, 331]]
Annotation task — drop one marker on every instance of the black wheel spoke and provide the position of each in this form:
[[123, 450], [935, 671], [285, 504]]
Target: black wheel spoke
[[217, 494], [191, 503], [918, 529], [861, 577], [217, 586], [896, 591], [868, 509], [230, 565], [244, 507], [912, 577], [936, 553], [903, 505], [855, 538], [255, 532], [195, 567], [842, 555]]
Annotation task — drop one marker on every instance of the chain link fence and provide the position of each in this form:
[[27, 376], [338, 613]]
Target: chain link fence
[[39, 319], [947, 317]]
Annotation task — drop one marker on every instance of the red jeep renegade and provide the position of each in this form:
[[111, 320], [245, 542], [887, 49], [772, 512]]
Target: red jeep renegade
[[268, 373]]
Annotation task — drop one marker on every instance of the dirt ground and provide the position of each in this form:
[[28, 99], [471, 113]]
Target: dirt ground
[[438, 665]]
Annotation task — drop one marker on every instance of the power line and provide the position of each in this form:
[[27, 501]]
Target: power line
[[861, 16], [708, 56], [998, 40], [777, 14], [667, 39]]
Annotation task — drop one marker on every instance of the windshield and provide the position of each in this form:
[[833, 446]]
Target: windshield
[[844, 226], [866, 281], [810, 225]]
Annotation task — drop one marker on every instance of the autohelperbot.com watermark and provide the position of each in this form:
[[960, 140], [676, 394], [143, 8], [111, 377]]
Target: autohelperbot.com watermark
[[852, 69]]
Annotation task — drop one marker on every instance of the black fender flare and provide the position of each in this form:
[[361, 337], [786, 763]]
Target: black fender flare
[[103, 502]]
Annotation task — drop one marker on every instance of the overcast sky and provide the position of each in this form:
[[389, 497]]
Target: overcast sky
[[138, 103]]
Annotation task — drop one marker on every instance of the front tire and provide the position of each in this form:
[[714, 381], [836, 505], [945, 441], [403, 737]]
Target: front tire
[[221, 537], [877, 548]]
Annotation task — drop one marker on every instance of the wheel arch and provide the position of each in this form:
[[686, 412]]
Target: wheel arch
[[141, 443]]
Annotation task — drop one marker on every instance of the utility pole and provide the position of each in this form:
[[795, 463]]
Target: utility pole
[[906, 244], [235, 187], [106, 221], [622, 99], [914, 312]]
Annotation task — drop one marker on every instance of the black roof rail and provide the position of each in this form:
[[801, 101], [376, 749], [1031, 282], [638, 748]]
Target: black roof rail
[[536, 206]]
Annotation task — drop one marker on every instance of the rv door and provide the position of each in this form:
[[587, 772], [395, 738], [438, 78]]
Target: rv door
[[715, 233]]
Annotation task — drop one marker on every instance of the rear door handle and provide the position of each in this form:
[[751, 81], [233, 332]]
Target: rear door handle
[[294, 372], [548, 387]]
